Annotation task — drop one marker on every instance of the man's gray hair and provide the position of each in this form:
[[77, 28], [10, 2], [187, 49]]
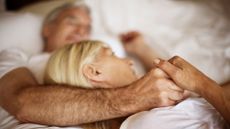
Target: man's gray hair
[[54, 13]]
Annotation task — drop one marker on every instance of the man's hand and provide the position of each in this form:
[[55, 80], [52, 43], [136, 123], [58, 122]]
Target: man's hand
[[155, 90]]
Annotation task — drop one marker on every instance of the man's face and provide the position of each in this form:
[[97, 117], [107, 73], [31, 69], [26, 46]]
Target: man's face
[[71, 25], [116, 71]]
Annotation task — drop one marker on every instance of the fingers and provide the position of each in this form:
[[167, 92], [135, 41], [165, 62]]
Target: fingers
[[156, 72], [186, 94], [173, 86], [129, 36], [175, 95], [179, 62], [170, 98], [169, 68], [169, 89], [174, 92]]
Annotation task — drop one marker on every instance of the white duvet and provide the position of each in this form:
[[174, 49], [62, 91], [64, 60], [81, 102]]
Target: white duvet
[[193, 113], [198, 31]]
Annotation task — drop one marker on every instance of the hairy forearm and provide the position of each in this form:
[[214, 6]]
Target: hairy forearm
[[24, 98], [61, 105], [219, 97]]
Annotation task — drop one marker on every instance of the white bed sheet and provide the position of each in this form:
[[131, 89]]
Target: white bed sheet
[[193, 113], [196, 30]]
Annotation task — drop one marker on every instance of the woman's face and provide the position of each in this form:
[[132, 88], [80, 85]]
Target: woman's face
[[116, 71]]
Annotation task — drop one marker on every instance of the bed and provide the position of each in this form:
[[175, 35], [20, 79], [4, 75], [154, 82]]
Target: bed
[[198, 31]]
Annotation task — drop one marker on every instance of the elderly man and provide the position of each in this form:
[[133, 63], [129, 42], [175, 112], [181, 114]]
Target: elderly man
[[23, 97]]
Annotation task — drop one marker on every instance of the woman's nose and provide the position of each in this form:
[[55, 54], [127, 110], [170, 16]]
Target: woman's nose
[[129, 61]]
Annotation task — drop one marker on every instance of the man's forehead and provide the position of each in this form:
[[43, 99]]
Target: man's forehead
[[74, 13], [75, 10]]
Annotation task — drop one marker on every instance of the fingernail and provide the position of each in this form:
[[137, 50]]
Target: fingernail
[[156, 61]]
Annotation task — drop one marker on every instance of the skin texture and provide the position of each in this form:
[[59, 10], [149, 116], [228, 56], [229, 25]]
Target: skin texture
[[136, 46], [65, 106], [71, 25], [110, 71], [23, 97], [188, 77]]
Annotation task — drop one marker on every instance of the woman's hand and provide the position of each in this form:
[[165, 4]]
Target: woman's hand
[[188, 77], [184, 74]]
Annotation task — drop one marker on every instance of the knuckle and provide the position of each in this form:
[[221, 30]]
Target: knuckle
[[159, 73], [178, 95], [167, 102], [164, 63], [163, 95], [154, 71], [159, 82]]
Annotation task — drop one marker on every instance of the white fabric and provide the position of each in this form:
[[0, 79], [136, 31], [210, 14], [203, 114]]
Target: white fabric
[[193, 113], [14, 58], [22, 31], [195, 30], [113, 42], [11, 59]]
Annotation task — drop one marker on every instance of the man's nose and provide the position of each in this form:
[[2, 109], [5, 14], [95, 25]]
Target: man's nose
[[81, 30]]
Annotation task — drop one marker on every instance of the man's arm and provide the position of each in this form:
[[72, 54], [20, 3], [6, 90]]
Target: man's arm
[[188, 77], [64, 106]]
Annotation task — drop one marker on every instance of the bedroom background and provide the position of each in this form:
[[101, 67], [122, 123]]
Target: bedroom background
[[197, 30]]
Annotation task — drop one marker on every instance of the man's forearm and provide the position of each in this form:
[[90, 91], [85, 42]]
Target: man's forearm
[[24, 98], [62, 106]]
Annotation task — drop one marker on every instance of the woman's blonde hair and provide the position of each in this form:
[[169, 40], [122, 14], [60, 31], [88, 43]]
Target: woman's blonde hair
[[65, 65]]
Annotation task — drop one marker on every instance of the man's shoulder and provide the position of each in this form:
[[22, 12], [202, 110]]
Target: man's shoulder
[[11, 59]]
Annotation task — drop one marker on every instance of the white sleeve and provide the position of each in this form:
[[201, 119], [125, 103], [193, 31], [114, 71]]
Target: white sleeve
[[11, 59]]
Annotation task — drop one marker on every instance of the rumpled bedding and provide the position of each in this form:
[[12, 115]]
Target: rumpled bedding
[[196, 30]]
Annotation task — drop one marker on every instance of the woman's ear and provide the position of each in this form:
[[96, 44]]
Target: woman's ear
[[47, 30], [93, 73]]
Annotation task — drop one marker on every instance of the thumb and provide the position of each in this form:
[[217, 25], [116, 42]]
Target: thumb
[[167, 67]]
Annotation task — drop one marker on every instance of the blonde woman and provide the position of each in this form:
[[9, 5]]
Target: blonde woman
[[92, 64], [89, 64]]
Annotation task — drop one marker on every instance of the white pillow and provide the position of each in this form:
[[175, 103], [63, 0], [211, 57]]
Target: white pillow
[[22, 31]]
